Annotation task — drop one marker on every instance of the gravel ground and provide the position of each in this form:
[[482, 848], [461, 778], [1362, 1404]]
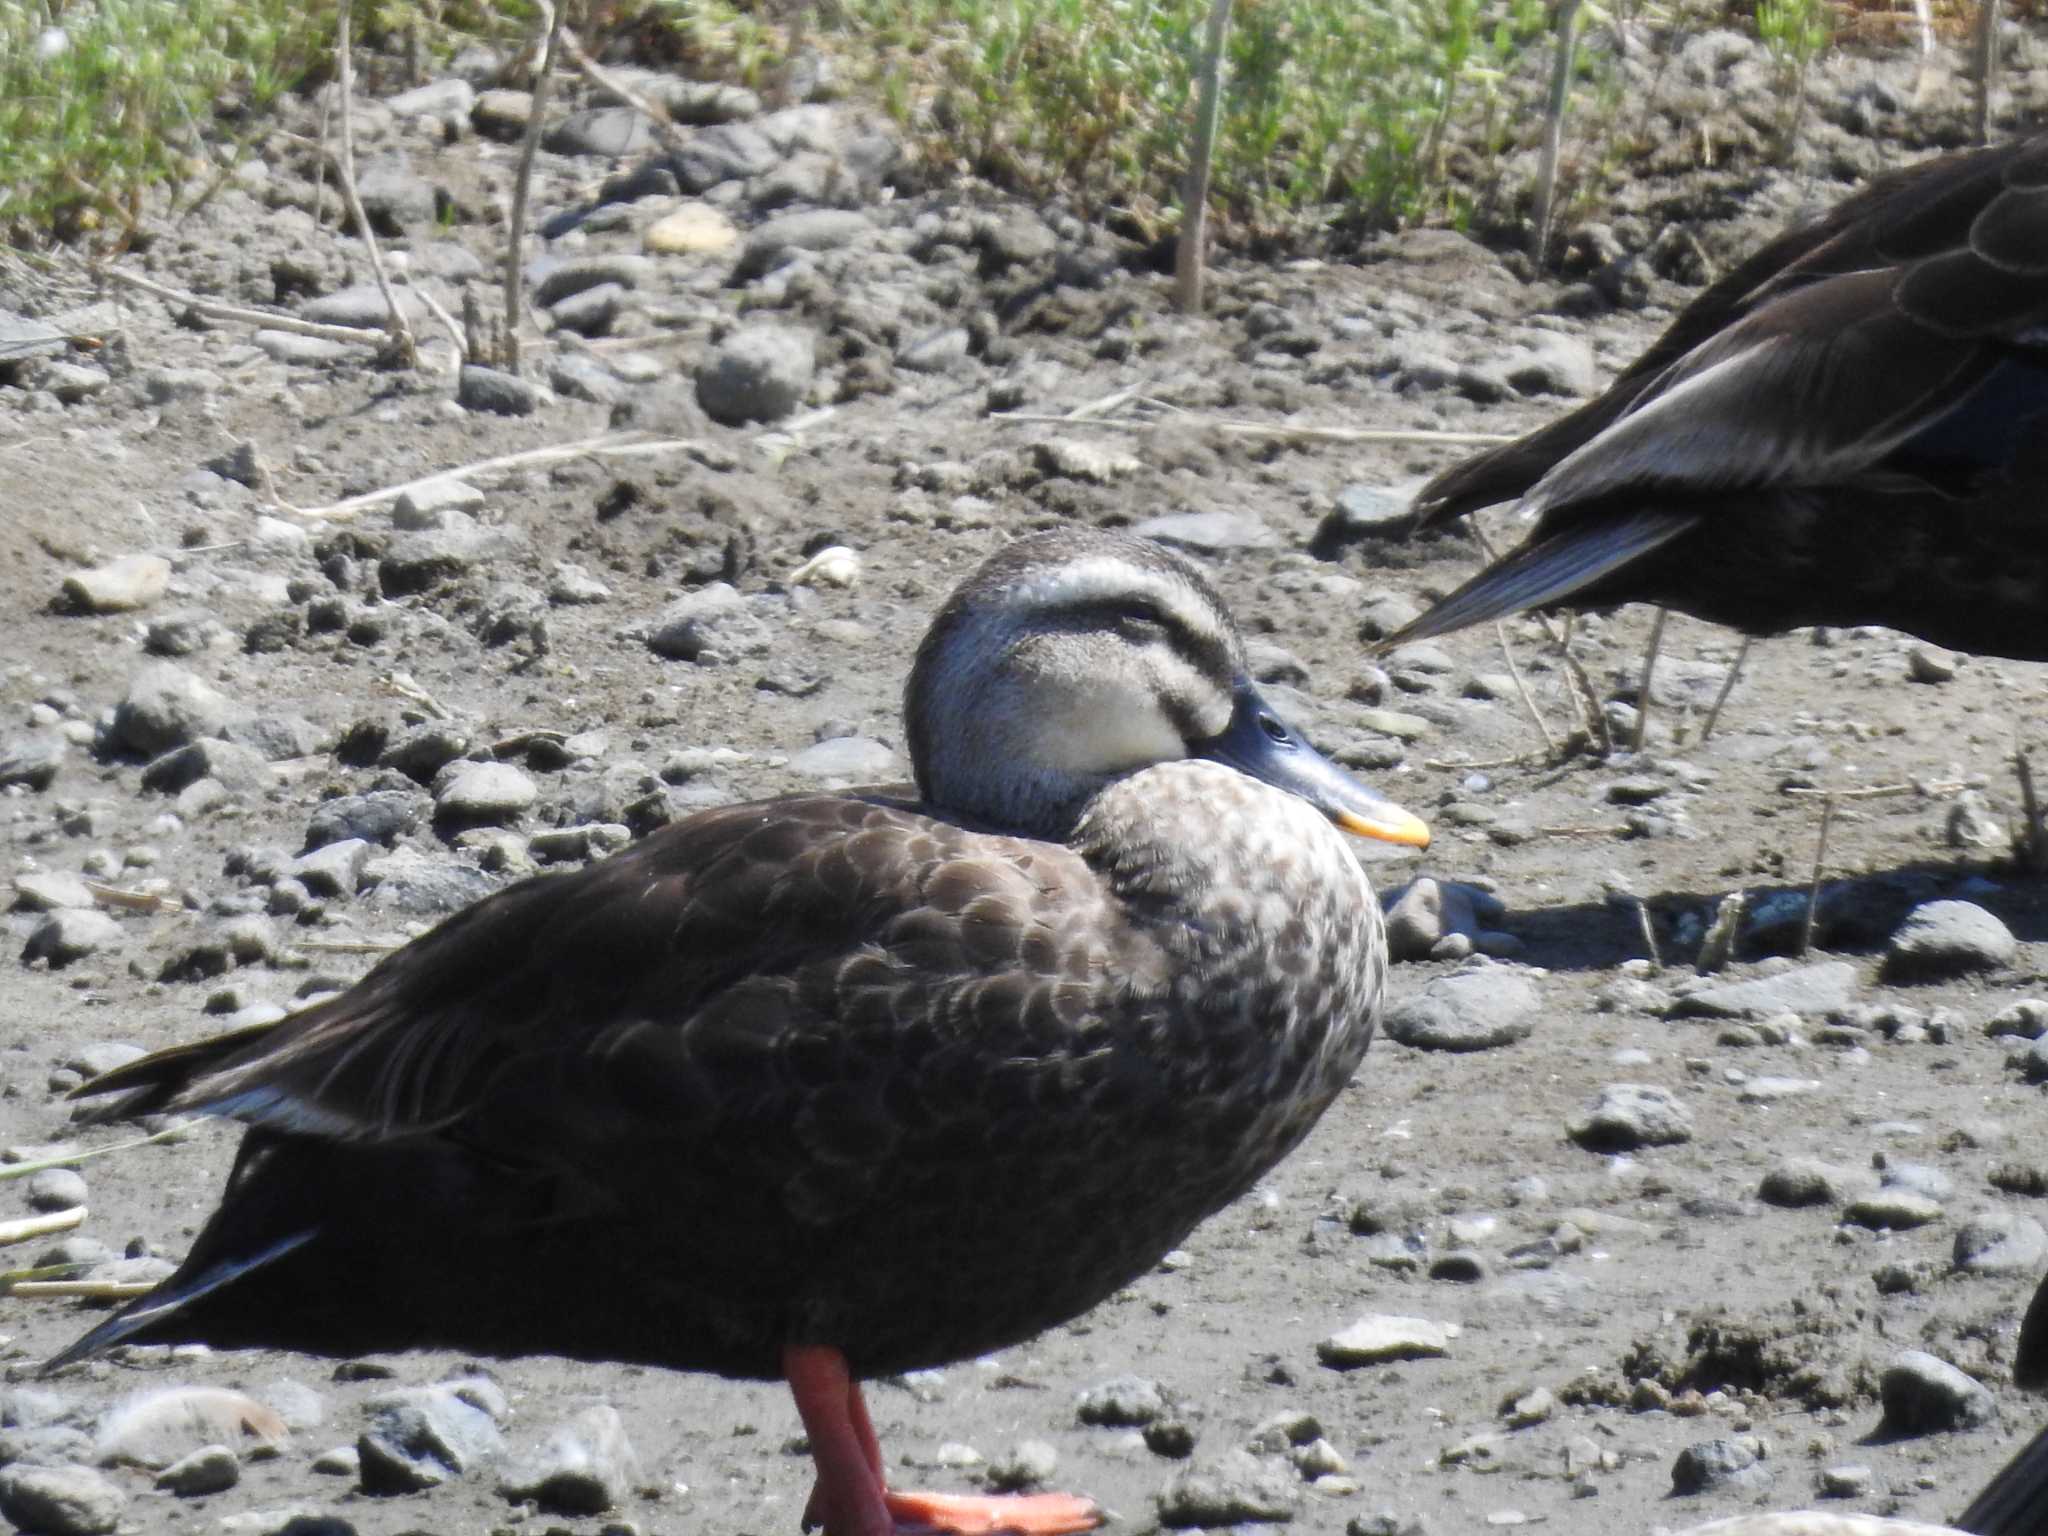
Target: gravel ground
[[1597, 1238]]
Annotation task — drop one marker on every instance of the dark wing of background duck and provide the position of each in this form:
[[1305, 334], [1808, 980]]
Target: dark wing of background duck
[[1845, 429], [824, 1067]]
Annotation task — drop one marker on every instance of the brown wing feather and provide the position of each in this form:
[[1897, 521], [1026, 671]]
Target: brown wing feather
[[703, 965]]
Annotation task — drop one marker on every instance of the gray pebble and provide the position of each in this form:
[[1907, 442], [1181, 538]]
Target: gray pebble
[[1029, 1464], [210, 1469], [486, 793], [781, 238], [493, 390], [1381, 1338], [712, 624], [60, 1501], [853, 758], [1126, 1402], [120, 586], [56, 1189], [420, 1437], [2001, 1243], [165, 707], [564, 278], [1948, 938], [69, 935], [1232, 1489], [1712, 1464], [1893, 1210], [50, 890], [1208, 533], [1803, 1181], [758, 373], [1922, 1393], [584, 1467], [1845, 1482], [607, 132], [1816, 988], [31, 761], [1471, 1011], [1627, 1116], [334, 869]]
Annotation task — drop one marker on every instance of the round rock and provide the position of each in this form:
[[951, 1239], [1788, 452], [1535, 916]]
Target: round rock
[[486, 793], [1471, 1011], [60, 1501], [1949, 938], [759, 373], [1923, 1393], [2001, 1243], [1631, 1115]]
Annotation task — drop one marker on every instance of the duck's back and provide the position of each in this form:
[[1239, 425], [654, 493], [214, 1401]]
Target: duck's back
[[828, 1069]]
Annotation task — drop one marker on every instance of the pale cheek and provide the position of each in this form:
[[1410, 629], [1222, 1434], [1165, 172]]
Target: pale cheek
[[1110, 733]]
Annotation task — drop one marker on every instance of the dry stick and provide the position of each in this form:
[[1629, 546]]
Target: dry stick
[[1507, 654], [1194, 222], [672, 137], [1820, 858], [91, 1290], [1283, 430], [1553, 125], [1986, 64], [87, 1154], [1727, 687], [401, 332], [27, 1228], [1642, 731], [267, 319], [523, 183], [625, 445]]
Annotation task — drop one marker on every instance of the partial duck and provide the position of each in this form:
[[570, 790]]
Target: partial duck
[[1850, 428], [2015, 1502], [833, 1086]]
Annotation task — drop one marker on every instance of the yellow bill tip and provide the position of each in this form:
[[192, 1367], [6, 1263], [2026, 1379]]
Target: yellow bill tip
[[1386, 824]]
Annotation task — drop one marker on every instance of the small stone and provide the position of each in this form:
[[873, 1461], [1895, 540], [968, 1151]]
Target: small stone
[[56, 1189], [30, 761], [69, 935], [1845, 1482], [691, 230], [490, 794], [1235, 1488], [1208, 533], [134, 581], [2000, 1243], [1027, 1464], [420, 1437], [1922, 1393], [1712, 1464], [850, 758], [1470, 1011], [782, 238], [1813, 989], [60, 1501], [1924, 664], [1949, 938], [493, 390], [427, 506], [333, 869], [1627, 1116], [710, 625], [165, 707], [1126, 1402], [1893, 1210], [1378, 1339], [210, 1469], [760, 372], [1803, 1181], [585, 1467], [51, 890]]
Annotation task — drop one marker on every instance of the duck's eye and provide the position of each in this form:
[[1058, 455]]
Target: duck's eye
[[1274, 730], [1143, 625]]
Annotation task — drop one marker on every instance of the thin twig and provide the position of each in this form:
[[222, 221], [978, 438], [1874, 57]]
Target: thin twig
[[522, 183], [1507, 654], [2033, 841], [609, 446], [132, 901], [87, 1154], [90, 1290], [1820, 859], [1939, 787], [1296, 434], [1986, 66], [402, 684], [672, 138], [271, 320], [1641, 732], [395, 321], [1727, 687], [23, 1229], [1567, 25]]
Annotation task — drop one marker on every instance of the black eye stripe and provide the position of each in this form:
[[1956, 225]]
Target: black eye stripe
[[1208, 649]]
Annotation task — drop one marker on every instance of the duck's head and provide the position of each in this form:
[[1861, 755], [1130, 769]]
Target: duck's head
[[1074, 658]]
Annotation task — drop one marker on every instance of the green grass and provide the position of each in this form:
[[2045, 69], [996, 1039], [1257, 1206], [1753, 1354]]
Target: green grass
[[1327, 102]]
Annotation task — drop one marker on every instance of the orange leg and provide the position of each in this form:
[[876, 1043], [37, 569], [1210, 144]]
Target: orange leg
[[850, 1498]]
